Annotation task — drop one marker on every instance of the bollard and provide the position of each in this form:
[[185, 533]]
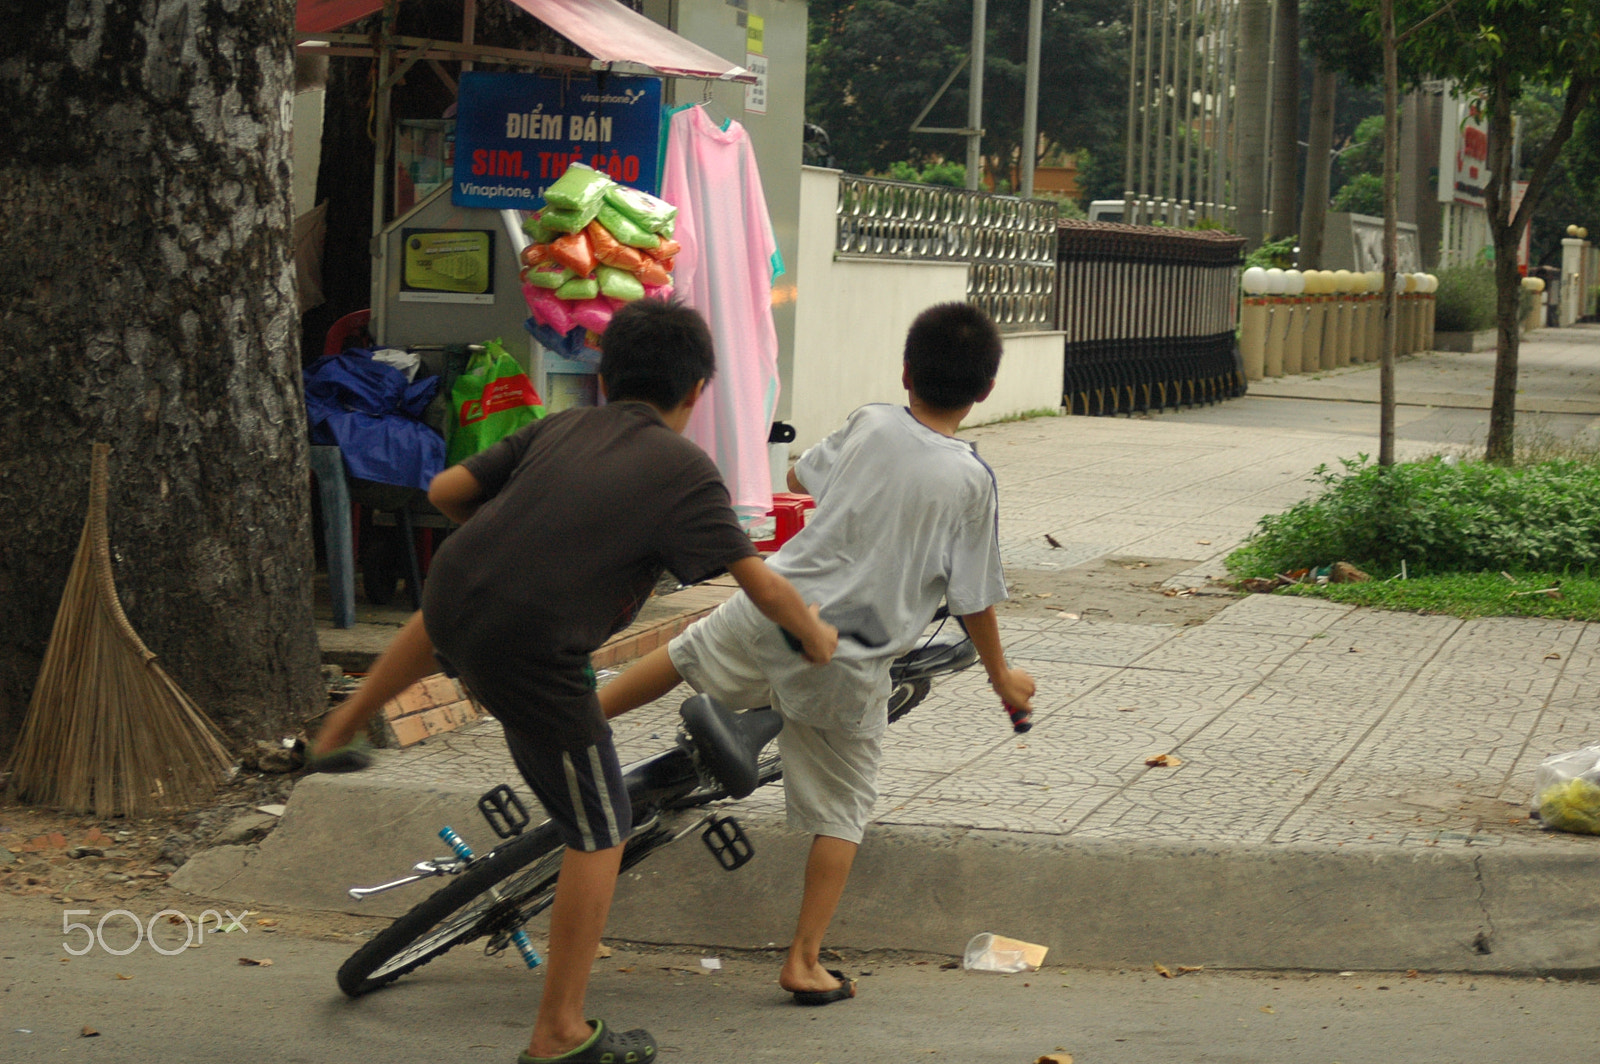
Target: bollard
[[1272, 351], [1253, 336], [1429, 306], [1294, 334], [1340, 312]]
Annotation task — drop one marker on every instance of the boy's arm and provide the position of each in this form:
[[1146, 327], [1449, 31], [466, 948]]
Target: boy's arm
[[1014, 686], [456, 493], [794, 483], [778, 600]]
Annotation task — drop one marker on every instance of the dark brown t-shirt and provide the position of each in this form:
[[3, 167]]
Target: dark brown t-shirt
[[584, 511]]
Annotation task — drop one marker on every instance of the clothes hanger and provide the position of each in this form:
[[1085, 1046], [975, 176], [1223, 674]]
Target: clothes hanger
[[712, 109]]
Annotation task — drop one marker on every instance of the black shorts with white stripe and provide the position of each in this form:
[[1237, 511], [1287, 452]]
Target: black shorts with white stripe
[[580, 785]]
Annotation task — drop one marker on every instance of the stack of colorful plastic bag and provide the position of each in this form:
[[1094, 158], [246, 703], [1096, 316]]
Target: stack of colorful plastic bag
[[596, 246]]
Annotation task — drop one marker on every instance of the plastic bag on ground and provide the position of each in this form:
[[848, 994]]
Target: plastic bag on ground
[[1566, 791], [995, 953]]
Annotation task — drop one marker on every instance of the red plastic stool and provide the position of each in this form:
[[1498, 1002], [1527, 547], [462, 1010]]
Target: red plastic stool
[[789, 512], [347, 328]]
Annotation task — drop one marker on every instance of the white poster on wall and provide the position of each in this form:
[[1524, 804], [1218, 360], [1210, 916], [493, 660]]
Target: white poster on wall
[[755, 96]]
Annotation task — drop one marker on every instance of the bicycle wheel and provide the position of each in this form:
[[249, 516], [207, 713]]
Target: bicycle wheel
[[497, 894], [907, 694]]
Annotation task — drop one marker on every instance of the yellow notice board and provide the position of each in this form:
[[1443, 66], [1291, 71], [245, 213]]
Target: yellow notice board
[[447, 266]]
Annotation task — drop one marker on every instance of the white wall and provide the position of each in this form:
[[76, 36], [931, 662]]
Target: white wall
[[306, 147], [851, 316]]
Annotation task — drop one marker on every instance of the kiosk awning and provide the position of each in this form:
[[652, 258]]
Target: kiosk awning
[[613, 34]]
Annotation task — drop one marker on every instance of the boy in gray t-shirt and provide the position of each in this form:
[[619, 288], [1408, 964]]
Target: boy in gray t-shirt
[[905, 518]]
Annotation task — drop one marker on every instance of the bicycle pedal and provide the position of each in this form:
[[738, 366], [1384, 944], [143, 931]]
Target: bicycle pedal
[[504, 811], [728, 843]]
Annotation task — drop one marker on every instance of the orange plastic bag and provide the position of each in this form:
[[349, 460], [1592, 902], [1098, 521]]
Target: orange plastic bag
[[575, 253], [534, 254], [611, 251], [652, 272], [665, 251]]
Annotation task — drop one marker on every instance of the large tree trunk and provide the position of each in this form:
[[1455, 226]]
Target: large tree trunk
[[1319, 161], [1250, 115], [1285, 120], [147, 299]]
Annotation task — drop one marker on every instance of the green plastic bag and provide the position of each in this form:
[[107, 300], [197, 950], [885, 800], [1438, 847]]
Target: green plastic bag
[[649, 212], [625, 229], [489, 401], [579, 288], [581, 188], [619, 284]]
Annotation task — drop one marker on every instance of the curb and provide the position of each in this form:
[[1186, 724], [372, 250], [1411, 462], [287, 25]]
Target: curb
[[1093, 903]]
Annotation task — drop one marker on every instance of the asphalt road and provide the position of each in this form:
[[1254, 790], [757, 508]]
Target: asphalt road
[[204, 1005]]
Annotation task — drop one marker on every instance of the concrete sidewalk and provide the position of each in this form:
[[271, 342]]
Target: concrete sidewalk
[[1353, 785]]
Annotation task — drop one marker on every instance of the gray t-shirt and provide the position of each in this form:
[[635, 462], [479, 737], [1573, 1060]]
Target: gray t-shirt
[[905, 517]]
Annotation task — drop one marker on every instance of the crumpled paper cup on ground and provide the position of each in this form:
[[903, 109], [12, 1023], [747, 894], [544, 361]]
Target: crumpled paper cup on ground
[[996, 953]]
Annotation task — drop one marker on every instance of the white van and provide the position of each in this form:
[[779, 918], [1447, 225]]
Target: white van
[[1105, 210]]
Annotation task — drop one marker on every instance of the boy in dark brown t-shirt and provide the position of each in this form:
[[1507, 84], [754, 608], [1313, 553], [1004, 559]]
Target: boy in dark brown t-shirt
[[567, 524]]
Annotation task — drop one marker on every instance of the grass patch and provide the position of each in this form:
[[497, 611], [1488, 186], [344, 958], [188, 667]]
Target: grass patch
[[1024, 415], [1455, 528], [1469, 595]]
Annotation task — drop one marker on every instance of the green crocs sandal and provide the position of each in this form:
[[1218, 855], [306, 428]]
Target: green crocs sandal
[[605, 1046], [353, 756]]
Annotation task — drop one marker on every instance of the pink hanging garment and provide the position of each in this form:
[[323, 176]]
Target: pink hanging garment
[[725, 272]]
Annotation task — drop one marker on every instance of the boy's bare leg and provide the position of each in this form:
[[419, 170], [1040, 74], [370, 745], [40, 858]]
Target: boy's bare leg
[[407, 659], [640, 684], [827, 869], [577, 919]]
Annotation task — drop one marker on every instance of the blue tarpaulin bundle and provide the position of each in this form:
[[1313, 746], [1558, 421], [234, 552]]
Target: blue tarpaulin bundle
[[369, 410]]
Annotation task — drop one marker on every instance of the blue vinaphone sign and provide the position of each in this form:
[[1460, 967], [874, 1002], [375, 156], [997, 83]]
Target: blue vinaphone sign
[[517, 133]]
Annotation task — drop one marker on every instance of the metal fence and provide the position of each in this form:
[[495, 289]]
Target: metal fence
[[1149, 316], [1008, 243]]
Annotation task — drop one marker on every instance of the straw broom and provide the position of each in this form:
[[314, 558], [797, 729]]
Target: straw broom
[[108, 730]]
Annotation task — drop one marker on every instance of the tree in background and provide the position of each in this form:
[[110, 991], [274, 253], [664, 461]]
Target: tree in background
[[1503, 49], [1281, 217], [873, 65], [147, 300]]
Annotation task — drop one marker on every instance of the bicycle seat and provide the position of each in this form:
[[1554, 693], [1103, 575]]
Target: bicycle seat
[[729, 742]]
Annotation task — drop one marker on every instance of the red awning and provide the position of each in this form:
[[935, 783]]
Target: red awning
[[324, 16], [607, 30], [616, 34]]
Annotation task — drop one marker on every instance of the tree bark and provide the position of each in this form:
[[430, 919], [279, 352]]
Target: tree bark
[[1501, 446], [1285, 120], [1319, 163], [1391, 233], [149, 293], [1251, 116]]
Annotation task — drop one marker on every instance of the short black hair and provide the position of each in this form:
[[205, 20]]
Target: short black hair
[[952, 355], [655, 350]]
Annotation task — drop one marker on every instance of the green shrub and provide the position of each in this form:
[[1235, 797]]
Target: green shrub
[[1437, 516], [950, 174], [1279, 253], [1362, 194], [1466, 299]]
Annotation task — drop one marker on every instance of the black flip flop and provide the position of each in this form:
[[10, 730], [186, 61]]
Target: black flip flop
[[605, 1045], [845, 989], [353, 756]]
